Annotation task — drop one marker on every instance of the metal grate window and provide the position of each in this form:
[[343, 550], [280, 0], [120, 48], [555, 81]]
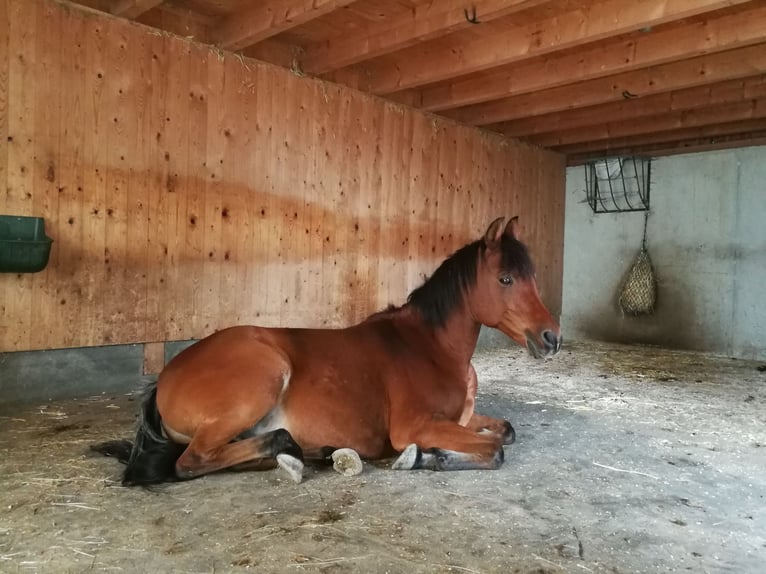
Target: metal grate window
[[618, 184]]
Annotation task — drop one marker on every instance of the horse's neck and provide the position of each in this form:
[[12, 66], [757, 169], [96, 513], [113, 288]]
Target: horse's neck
[[459, 335], [455, 341]]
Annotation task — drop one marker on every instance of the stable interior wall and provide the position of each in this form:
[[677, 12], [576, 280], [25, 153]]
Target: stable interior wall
[[188, 189], [707, 240]]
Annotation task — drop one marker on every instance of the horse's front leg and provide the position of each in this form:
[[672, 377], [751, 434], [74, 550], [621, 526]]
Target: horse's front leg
[[471, 386], [481, 423], [491, 425], [441, 444]]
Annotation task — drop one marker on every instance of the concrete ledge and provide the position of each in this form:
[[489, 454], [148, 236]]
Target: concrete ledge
[[30, 376], [65, 373]]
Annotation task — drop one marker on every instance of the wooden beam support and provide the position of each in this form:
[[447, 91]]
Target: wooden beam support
[[132, 9], [727, 32], [154, 358], [722, 113], [434, 62], [627, 145], [424, 22], [694, 145], [267, 18], [179, 21], [273, 51], [729, 65], [633, 109]]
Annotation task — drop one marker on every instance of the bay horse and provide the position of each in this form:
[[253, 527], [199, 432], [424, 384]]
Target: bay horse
[[400, 382]]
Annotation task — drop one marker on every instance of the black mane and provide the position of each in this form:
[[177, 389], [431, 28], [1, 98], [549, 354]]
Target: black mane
[[443, 292]]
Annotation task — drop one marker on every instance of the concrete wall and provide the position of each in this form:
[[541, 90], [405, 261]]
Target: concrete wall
[[707, 241], [32, 376], [39, 376]]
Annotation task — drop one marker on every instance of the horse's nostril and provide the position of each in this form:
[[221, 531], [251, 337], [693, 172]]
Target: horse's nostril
[[550, 339]]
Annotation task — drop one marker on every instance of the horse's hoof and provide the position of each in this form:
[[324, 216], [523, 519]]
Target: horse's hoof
[[509, 436], [408, 459], [346, 461], [292, 466]]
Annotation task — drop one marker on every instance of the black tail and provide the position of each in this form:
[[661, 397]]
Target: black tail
[[119, 449], [151, 458]]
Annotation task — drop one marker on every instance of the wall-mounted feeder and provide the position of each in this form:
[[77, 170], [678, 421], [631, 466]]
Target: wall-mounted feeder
[[618, 184], [24, 247]]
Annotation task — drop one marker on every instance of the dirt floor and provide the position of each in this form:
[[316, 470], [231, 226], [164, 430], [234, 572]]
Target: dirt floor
[[628, 459]]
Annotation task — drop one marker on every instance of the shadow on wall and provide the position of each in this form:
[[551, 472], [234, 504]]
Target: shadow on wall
[[674, 323]]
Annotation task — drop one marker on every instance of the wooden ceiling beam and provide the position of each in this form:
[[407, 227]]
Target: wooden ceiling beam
[[722, 113], [434, 62], [729, 65], [694, 145], [133, 8], [612, 146], [603, 59], [267, 18], [179, 21], [424, 22], [274, 51], [634, 109]]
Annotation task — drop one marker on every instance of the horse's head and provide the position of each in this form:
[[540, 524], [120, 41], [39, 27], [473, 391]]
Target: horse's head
[[506, 295]]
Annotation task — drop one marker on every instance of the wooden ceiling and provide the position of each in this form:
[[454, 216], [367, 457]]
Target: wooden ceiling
[[588, 78]]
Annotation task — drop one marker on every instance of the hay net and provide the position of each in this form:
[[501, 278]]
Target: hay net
[[638, 295]]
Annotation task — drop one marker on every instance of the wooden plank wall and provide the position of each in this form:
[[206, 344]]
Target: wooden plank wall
[[189, 189]]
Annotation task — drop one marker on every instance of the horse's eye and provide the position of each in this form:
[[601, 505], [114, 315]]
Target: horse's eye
[[506, 279]]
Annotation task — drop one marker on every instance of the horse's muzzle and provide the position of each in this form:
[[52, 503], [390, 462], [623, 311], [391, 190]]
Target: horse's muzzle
[[548, 345]]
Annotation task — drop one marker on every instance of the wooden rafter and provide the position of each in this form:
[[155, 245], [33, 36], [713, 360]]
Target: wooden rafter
[[267, 18], [133, 8], [603, 59], [419, 66], [273, 51], [424, 22], [732, 91], [692, 145], [722, 113], [617, 146], [176, 20], [679, 75], [564, 74]]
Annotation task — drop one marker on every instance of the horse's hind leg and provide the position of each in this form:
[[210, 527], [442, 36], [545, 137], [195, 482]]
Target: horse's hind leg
[[208, 452]]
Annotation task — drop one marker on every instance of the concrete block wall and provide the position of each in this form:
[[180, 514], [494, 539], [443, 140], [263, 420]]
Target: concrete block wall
[[707, 239], [40, 376]]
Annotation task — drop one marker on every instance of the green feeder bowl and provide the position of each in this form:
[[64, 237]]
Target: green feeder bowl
[[24, 247]]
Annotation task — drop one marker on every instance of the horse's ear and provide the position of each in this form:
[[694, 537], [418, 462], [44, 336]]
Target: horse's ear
[[494, 232], [513, 229]]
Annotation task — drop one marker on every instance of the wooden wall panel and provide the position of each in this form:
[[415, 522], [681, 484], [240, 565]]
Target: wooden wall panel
[[4, 134], [4, 54], [15, 328], [55, 304], [189, 189]]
